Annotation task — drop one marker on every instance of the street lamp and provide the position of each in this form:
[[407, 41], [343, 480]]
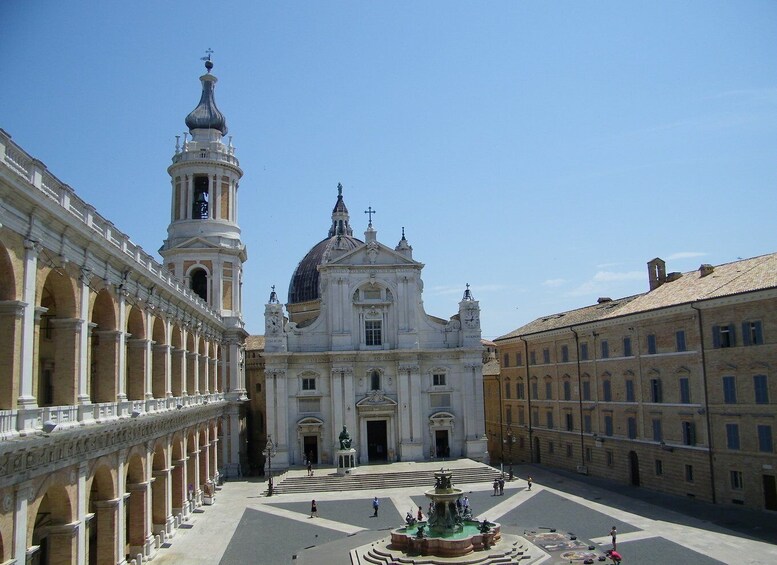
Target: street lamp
[[269, 452], [510, 440]]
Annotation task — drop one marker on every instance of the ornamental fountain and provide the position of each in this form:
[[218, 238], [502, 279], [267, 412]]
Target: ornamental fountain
[[446, 533]]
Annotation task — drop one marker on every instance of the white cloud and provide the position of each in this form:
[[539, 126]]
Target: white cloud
[[554, 283], [604, 281], [685, 255]]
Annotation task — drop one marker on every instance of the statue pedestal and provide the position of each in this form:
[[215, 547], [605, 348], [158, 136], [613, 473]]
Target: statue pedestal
[[346, 461]]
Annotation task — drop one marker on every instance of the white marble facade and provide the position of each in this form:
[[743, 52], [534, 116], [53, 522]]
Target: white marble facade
[[357, 349]]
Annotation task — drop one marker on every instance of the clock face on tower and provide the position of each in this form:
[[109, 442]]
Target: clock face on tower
[[471, 319]]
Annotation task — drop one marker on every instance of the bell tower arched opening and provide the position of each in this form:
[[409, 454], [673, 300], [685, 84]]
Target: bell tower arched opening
[[199, 283]]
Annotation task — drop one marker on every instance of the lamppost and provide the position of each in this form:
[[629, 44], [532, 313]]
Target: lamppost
[[269, 452], [510, 440]]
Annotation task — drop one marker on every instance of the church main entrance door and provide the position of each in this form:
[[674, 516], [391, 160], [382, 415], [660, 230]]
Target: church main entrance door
[[377, 441], [311, 449], [441, 444]]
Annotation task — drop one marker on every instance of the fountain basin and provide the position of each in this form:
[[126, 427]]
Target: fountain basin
[[446, 543]]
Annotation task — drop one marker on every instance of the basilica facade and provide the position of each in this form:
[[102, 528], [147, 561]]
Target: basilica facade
[[354, 348], [122, 392]]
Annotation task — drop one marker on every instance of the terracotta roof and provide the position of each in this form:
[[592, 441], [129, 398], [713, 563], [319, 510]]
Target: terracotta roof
[[491, 368], [255, 342], [757, 273]]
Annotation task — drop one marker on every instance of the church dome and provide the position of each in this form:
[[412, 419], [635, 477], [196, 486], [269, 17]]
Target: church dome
[[206, 115], [304, 282]]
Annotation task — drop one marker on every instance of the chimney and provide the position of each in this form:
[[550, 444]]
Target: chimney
[[603, 299], [656, 273], [705, 269]]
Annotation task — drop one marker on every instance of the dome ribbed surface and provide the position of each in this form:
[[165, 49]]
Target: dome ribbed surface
[[304, 281], [206, 115]]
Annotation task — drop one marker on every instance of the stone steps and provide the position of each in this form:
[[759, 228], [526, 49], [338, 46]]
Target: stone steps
[[374, 481]]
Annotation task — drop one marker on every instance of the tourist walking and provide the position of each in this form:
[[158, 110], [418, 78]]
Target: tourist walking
[[375, 506], [313, 508], [501, 486], [613, 535], [529, 482], [496, 486]]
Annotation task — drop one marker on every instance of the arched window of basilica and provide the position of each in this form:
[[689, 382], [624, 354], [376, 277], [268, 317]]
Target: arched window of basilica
[[199, 283], [375, 380]]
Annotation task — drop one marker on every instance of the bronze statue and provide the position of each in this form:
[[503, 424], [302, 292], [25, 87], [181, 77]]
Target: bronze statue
[[345, 439]]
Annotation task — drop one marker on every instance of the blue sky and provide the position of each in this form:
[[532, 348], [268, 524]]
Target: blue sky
[[541, 151]]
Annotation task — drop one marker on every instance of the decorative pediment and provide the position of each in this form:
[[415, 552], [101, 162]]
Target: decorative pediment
[[372, 253], [376, 398], [197, 243], [442, 419], [310, 425]]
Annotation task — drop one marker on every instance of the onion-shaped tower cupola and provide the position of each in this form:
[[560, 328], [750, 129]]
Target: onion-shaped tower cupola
[[207, 115]]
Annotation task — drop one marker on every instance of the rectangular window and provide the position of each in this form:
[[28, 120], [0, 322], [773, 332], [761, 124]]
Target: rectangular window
[[586, 390], [549, 420], [761, 388], [567, 390], [629, 391], [689, 433], [685, 391], [765, 439], [651, 344], [608, 425], [532, 358], [607, 391], [521, 416], [258, 387], [309, 404], [732, 436], [507, 390], [627, 347], [534, 393], [632, 427], [689, 473], [564, 354], [679, 337], [605, 349], [535, 417], [441, 400], [589, 454], [548, 390], [657, 435], [509, 414], [723, 336], [308, 384], [569, 450], [729, 390], [507, 359], [659, 467], [584, 352], [655, 390], [587, 423], [736, 480], [372, 332], [518, 359], [438, 379], [520, 391], [546, 355], [569, 421], [609, 457], [752, 333]]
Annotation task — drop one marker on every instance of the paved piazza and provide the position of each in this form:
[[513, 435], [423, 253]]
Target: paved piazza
[[245, 526]]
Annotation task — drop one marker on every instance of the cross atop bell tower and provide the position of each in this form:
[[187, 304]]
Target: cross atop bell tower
[[203, 245]]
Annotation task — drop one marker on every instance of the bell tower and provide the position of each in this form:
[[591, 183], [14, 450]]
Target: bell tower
[[203, 245]]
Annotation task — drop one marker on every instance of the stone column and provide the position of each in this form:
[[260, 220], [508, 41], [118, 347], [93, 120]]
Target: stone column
[[27, 350], [83, 345], [178, 491], [106, 521], [23, 494], [139, 531], [62, 541], [11, 318], [121, 360], [82, 510], [336, 394]]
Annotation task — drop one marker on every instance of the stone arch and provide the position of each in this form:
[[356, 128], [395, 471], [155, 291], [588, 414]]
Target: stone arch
[[10, 335], [160, 516], [159, 351], [177, 361], [57, 338], [199, 278], [136, 354], [178, 462], [192, 471], [191, 364], [104, 349], [50, 525], [202, 365], [135, 533], [102, 529]]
